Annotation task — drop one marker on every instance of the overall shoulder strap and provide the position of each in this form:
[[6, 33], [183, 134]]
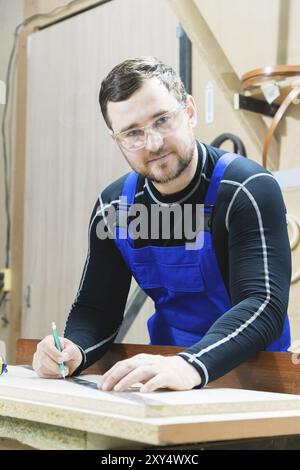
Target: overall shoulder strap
[[129, 188], [219, 170], [126, 201]]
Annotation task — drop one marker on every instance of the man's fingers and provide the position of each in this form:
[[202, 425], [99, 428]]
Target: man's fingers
[[153, 372], [70, 352], [131, 363], [153, 384], [121, 368], [47, 359], [140, 374], [68, 347], [115, 374], [47, 368], [48, 347]]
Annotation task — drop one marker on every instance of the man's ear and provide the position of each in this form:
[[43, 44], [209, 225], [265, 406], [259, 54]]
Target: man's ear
[[193, 121], [192, 111]]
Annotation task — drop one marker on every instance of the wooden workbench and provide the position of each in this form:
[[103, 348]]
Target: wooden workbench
[[259, 400]]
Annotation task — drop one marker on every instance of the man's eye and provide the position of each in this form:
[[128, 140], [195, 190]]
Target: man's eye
[[135, 133], [163, 120]]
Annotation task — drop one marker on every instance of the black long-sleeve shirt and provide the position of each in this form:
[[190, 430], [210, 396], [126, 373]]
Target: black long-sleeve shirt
[[249, 233]]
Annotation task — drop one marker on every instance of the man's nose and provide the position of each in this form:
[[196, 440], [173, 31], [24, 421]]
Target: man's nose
[[154, 141]]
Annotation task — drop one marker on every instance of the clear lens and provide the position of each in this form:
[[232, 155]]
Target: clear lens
[[132, 142], [135, 139]]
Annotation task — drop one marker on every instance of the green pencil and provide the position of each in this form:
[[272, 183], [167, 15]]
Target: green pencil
[[57, 344]]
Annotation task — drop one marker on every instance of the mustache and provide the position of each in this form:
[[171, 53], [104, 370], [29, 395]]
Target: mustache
[[159, 155]]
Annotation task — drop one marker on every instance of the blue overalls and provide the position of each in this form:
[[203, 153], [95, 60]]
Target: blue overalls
[[185, 285]]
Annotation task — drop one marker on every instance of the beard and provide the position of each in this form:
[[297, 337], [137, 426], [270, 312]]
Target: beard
[[182, 163], [161, 174]]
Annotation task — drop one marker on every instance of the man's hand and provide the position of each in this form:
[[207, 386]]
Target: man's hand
[[47, 358], [153, 371]]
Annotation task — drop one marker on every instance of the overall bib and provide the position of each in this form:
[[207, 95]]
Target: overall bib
[[186, 285]]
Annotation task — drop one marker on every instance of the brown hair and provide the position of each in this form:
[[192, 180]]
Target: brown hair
[[128, 76]]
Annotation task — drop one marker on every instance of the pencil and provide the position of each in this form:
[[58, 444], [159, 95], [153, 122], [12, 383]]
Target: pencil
[[57, 344]]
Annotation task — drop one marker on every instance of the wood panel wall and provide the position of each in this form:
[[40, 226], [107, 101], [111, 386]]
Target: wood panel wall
[[69, 156]]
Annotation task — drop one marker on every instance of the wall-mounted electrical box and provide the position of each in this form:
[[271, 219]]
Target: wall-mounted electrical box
[[5, 280]]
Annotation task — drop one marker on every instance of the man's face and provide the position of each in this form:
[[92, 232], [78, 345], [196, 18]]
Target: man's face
[[164, 157]]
